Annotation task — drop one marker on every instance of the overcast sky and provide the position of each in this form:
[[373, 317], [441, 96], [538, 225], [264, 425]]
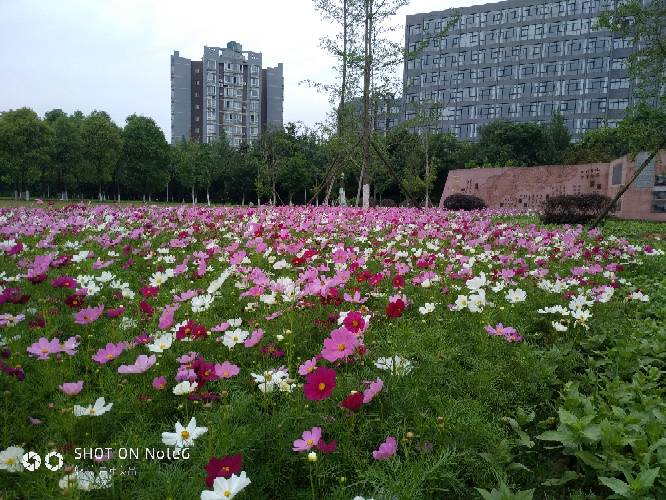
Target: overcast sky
[[113, 55]]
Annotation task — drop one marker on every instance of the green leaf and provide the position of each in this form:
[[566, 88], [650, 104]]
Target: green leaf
[[617, 485], [646, 478], [566, 477]]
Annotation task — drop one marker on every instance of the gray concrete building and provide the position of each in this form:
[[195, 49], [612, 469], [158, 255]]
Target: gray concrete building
[[518, 60], [224, 93], [272, 86]]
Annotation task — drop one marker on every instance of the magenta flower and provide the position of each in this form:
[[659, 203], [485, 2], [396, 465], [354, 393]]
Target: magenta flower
[[255, 338], [109, 352], [187, 358], [354, 322], [71, 388], [88, 315], [339, 345], [373, 389], [114, 313], [159, 383], [64, 282], [44, 347], [308, 440], [386, 450], [141, 364], [319, 384], [226, 370]]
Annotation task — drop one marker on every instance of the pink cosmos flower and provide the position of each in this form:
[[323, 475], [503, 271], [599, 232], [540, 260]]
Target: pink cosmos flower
[[499, 330], [187, 358], [141, 364], [226, 370], [307, 367], [159, 383], [386, 450], [70, 345], [255, 338], [44, 347], [88, 315], [373, 389], [71, 388], [222, 327], [308, 440], [166, 318], [186, 374], [339, 345], [356, 298], [109, 352]]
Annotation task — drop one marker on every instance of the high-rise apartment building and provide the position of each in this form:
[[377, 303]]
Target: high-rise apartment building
[[228, 92], [518, 60]]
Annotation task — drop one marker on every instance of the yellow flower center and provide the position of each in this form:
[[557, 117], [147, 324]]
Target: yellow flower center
[[341, 347], [109, 356], [321, 386], [227, 493], [44, 350], [310, 442], [10, 461], [225, 374], [235, 339], [185, 434], [268, 377]]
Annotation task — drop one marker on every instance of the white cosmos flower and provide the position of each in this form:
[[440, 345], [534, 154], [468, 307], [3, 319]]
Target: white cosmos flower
[[235, 323], [183, 437], [10, 459], [515, 295], [233, 337], [268, 299], [185, 387], [477, 301], [559, 326], [161, 343], [270, 378], [95, 410], [498, 287], [85, 480], [105, 277], [579, 302], [581, 316], [396, 364], [280, 264], [201, 303], [461, 303], [557, 309], [158, 278], [477, 282], [427, 308], [226, 488], [638, 295], [81, 256]]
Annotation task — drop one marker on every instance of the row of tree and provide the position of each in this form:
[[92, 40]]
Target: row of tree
[[65, 156]]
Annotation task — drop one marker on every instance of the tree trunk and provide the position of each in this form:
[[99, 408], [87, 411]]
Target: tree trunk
[[167, 194], [608, 208], [207, 197], [343, 86], [366, 103], [193, 200]]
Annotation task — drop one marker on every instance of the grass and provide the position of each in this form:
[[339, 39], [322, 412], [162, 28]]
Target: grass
[[453, 414]]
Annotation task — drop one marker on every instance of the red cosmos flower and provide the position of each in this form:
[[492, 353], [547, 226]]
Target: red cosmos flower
[[76, 300], [146, 308], [326, 447], [353, 402], [394, 308], [204, 370], [319, 384], [222, 467], [149, 291], [398, 281], [191, 329], [271, 349]]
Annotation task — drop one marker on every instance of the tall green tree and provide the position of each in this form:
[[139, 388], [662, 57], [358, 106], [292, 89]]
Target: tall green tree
[[67, 163], [146, 155], [558, 138], [102, 149], [26, 147]]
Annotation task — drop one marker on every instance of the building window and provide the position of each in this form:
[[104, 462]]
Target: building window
[[617, 174]]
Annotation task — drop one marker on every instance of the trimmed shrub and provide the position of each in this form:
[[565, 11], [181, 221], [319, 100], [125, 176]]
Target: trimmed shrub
[[573, 208], [388, 202], [463, 202]]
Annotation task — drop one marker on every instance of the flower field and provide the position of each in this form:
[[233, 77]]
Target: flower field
[[179, 352]]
